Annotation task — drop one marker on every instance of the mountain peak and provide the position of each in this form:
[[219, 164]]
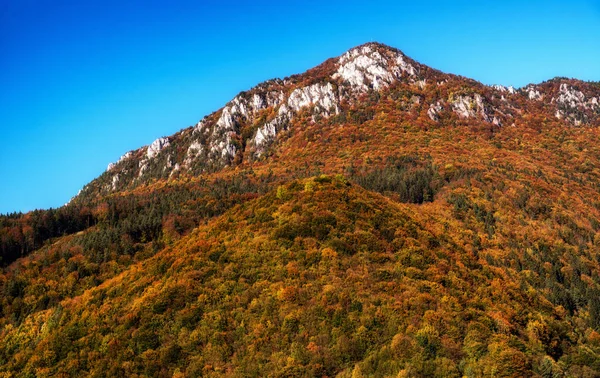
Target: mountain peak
[[247, 127], [374, 45], [373, 65]]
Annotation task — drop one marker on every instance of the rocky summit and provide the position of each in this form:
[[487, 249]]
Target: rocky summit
[[245, 129]]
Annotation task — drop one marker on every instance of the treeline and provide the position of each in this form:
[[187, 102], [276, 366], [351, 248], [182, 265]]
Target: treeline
[[178, 208], [22, 233], [407, 178], [125, 220], [140, 218]]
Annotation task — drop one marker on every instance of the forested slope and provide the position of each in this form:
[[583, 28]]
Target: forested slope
[[391, 220], [318, 277]]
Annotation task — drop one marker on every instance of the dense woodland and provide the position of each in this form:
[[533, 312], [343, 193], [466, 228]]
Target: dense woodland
[[376, 243]]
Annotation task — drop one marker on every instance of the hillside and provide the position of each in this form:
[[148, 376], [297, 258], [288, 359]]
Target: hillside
[[391, 220], [345, 91]]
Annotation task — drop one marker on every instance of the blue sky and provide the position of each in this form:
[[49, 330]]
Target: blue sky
[[82, 82]]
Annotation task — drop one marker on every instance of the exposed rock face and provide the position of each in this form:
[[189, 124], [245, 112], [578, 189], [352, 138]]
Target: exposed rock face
[[115, 181], [360, 69], [265, 134], [143, 166], [221, 145], [434, 111], [365, 67], [574, 98], [157, 146], [467, 106], [111, 166], [532, 92], [321, 96], [572, 104], [503, 89], [219, 137], [194, 150]]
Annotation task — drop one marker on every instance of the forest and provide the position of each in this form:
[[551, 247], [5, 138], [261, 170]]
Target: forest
[[380, 241], [397, 267]]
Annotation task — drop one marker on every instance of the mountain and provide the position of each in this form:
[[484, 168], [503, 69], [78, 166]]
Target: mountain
[[247, 128], [369, 217]]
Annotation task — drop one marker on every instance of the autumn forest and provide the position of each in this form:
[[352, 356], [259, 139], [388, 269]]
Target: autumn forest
[[363, 234]]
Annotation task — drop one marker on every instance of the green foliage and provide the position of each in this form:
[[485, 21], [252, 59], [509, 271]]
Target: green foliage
[[406, 177], [21, 234]]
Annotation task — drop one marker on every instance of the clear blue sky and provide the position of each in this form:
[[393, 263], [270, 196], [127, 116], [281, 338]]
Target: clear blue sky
[[82, 82]]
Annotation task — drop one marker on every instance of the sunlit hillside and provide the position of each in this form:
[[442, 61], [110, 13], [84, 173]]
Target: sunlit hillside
[[372, 217]]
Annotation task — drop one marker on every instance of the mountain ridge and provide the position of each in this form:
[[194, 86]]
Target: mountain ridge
[[248, 125]]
